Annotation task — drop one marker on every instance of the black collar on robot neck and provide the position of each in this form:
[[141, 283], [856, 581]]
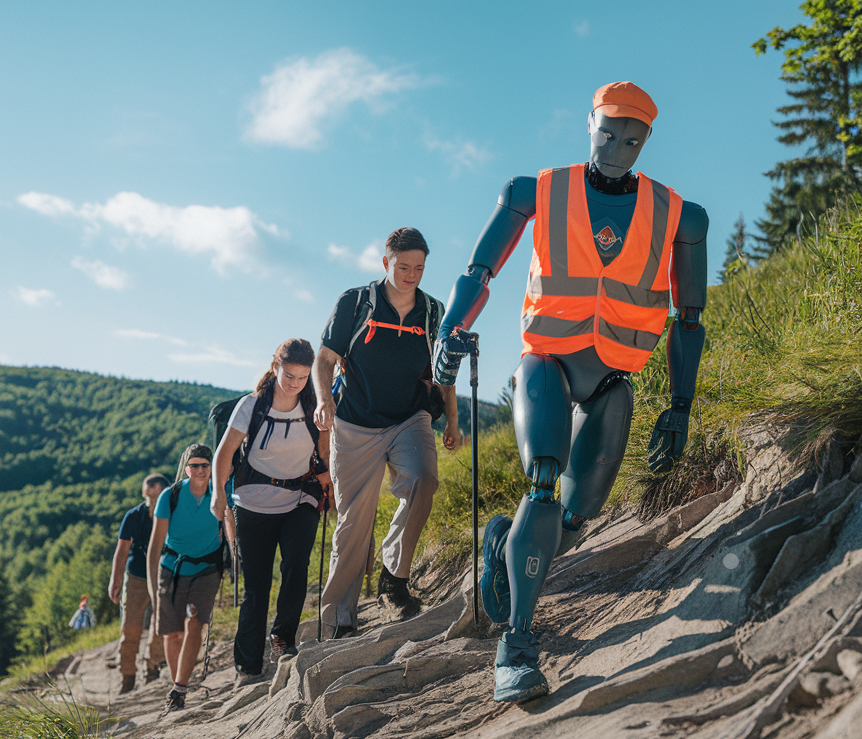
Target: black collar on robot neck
[[611, 186]]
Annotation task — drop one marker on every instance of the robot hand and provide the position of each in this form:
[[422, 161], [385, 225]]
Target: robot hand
[[669, 436], [448, 352]]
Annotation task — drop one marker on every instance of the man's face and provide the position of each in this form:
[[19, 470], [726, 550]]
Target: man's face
[[151, 493], [404, 269], [616, 143]]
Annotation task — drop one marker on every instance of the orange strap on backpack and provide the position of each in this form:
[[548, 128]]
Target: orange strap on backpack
[[372, 327]]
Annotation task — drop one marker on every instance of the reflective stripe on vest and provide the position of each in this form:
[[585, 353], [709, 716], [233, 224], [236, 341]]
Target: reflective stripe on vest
[[573, 301]]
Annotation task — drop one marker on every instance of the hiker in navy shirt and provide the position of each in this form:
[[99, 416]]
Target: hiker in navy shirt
[[128, 585], [184, 578]]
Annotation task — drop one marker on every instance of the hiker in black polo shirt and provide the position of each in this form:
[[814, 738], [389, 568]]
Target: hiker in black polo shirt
[[383, 417]]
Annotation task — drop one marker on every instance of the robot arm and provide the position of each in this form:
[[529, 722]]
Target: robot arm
[[515, 207], [685, 338]]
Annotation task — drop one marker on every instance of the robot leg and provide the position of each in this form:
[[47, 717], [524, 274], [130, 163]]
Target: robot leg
[[542, 416], [600, 432]]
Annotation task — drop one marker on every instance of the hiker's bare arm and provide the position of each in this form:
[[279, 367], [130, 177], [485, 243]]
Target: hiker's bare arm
[[324, 364], [229, 526], [221, 470], [323, 446], [157, 541], [451, 434], [121, 554]]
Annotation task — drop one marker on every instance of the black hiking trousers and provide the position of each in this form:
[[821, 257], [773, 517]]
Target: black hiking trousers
[[258, 535]]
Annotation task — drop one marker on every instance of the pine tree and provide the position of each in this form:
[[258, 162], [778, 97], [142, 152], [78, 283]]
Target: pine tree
[[822, 69], [737, 255]]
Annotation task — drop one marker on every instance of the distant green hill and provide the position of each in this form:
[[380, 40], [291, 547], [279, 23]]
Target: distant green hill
[[74, 449]]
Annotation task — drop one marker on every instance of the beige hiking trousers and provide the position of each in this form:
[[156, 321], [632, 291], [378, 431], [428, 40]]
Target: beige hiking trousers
[[134, 603], [358, 459]]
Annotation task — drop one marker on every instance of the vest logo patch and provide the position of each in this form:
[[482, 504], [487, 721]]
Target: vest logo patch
[[606, 238]]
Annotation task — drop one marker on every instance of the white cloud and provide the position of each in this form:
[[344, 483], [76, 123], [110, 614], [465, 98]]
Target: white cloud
[[110, 278], [458, 154], [370, 260], [304, 295], [212, 355], [582, 28], [34, 298], [47, 205], [302, 95], [133, 333], [228, 235]]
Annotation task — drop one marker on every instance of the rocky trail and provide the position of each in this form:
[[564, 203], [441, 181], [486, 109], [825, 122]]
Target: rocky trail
[[736, 616]]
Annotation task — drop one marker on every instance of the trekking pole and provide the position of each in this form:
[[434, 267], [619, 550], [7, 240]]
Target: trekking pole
[[234, 572], [207, 647], [474, 464], [320, 573]]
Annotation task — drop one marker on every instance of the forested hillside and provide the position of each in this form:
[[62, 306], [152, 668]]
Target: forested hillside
[[74, 448]]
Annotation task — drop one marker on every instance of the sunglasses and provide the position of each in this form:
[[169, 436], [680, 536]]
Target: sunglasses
[[198, 465]]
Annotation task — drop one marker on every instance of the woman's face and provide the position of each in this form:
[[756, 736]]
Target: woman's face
[[291, 378], [198, 469]]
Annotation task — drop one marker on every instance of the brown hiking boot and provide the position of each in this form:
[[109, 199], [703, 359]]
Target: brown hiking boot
[[128, 684]]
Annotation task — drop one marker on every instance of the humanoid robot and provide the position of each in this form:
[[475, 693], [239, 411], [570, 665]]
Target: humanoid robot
[[609, 246]]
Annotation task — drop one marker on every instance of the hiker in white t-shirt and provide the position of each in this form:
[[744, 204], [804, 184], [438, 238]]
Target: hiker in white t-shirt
[[280, 486]]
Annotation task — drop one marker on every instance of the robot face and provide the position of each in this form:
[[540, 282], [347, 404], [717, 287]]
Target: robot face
[[616, 143]]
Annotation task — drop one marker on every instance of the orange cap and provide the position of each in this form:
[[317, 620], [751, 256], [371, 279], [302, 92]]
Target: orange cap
[[625, 100]]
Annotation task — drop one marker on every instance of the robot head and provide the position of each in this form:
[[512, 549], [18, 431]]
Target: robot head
[[619, 125]]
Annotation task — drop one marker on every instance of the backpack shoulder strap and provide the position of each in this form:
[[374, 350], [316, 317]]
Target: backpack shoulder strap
[[261, 407], [366, 303], [433, 316], [175, 496]]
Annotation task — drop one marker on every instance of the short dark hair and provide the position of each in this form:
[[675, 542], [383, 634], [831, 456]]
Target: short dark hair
[[156, 480], [406, 239]]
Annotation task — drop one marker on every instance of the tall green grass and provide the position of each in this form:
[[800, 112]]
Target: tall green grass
[[784, 342], [56, 716]]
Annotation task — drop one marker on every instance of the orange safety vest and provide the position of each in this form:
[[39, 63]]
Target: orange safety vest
[[573, 301]]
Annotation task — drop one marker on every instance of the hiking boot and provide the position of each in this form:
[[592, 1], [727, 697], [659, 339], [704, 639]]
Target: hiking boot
[[278, 647], [494, 585], [341, 631], [517, 677], [128, 684], [394, 590], [244, 678], [153, 673], [175, 701]]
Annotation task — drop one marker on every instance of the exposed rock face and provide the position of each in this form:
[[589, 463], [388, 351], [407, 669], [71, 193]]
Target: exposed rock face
[[738, 615]]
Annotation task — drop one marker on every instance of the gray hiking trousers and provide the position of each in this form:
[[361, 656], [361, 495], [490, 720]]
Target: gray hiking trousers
[[358, 459]]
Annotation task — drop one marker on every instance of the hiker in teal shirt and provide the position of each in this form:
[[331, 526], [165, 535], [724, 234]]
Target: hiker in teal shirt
[[184, 568]]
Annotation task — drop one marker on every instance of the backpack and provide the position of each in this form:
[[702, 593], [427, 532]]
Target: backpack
[[366, 302]]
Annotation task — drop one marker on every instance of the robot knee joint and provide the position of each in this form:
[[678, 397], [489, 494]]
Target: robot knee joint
[[545, 470]]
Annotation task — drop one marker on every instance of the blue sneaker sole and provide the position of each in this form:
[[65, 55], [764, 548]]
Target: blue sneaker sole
[[494, 585], [513, 695]]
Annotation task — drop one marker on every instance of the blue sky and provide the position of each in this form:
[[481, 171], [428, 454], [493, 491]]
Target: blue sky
[[185, 185]]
